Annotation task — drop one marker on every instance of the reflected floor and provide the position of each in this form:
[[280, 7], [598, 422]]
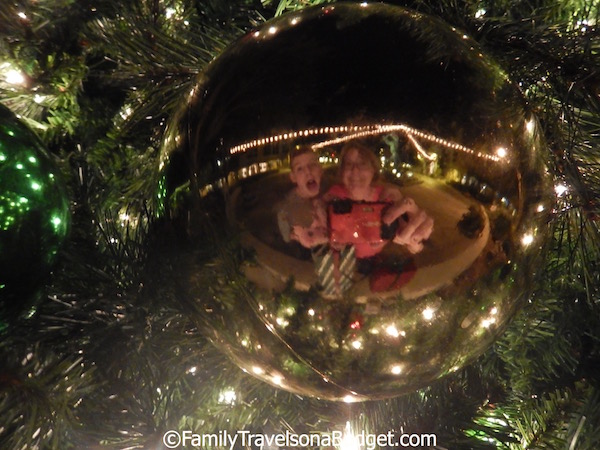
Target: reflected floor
[[446, 255]]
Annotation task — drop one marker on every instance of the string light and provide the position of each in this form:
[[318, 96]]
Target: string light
[[530, 126], [561, 190], [15, 77], [396, 370], [392, 331], [527, 239], [428, 314], [353, 132], [420, 149], [227, 397]]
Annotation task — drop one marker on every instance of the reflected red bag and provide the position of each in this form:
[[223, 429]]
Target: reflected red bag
[[355, 222], [392, 277]]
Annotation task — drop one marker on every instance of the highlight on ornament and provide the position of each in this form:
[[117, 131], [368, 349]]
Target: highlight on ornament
[[360, 219]]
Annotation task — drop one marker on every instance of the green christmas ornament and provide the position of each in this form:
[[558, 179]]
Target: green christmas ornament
[[34, 213], [363, 200]]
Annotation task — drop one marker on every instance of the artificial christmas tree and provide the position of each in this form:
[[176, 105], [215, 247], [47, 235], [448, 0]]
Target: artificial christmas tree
[[112, 358]]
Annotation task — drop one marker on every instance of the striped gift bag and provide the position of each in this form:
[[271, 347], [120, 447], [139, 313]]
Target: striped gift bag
[[335, 269]]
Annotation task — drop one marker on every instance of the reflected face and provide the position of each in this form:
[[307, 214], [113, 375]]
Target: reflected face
[[357, 172], [306, 174]]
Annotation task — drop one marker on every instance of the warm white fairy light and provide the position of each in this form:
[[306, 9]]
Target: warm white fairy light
[[125, 113], [527, 239], [501, 152], [396, 369], [561, 190], [480, 13], [22, 15], [15, 77], [227, 397], [352, 132], [486, 323], [169, 12], [392, 331], [419, 148], [428, 314], [349, 398], [530, 125]]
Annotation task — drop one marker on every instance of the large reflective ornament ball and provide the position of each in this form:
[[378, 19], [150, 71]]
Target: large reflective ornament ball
[[361, 198], [34, 214]]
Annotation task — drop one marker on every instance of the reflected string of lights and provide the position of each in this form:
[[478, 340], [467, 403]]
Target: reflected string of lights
[[354, 131]]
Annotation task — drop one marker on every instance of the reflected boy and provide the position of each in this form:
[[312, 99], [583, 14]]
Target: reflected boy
[[297, 212]]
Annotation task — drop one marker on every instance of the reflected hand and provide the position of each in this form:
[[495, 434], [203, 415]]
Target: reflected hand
[[416, 228], [309, 237]]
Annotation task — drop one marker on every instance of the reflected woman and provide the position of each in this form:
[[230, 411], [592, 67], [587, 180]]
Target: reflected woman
[[359, 172]]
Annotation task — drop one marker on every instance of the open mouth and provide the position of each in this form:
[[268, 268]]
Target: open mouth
[[312, 185]]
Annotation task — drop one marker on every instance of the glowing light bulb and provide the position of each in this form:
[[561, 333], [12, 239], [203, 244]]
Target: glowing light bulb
[[397, 369], [227, 397], [428, 313], [392, 331], [501, 152], [14, 77], [530, 126], [561, 189], [527, 239]]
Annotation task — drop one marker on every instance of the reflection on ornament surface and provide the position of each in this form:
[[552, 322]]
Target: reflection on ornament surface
[[34, 212], [446, 128]]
